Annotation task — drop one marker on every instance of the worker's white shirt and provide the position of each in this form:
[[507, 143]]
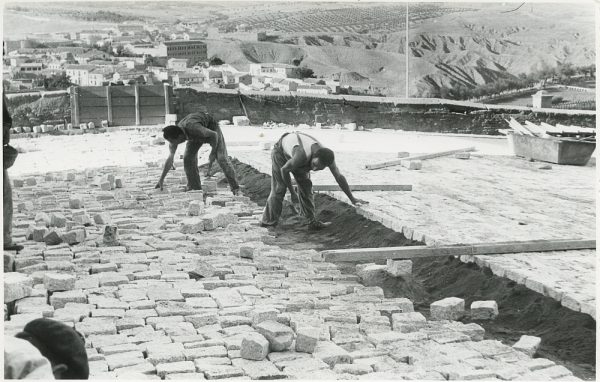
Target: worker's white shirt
[[291, 140]]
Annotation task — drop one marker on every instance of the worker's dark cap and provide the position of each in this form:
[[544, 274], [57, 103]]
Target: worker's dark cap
[[60, 344]]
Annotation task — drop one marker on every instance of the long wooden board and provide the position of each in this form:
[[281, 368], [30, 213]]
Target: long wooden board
[[375, 254], [416, 157], [364, 187]]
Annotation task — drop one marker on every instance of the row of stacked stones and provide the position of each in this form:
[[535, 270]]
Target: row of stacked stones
[[45, 128], [190, 290]]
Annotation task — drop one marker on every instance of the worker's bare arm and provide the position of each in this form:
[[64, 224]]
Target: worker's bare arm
[[168, 165], [341, 181]]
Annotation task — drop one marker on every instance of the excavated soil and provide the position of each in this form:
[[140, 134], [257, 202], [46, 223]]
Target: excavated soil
[[568, 337]]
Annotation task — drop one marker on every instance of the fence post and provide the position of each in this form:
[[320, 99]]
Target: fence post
[[137, 105], [109, 105], [74, 93], [167, 99]]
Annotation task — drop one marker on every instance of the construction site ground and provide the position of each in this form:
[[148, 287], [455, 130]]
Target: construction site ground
[[140, 295]]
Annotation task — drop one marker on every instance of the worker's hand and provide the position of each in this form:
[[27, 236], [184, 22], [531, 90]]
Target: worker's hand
[[159, 185], [359, 202]]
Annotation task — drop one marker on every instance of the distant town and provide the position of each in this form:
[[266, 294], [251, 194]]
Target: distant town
[[144, 54]]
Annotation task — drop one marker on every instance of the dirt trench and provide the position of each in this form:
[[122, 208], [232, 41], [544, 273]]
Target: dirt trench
[[568, 337]]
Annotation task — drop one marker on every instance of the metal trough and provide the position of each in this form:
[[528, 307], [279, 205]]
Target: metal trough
[[553, 150]]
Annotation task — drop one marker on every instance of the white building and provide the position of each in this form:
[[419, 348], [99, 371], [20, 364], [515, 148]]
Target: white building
[[275, 70], [187, 79], [313, 89], [96, 78], [177, 64], [79, 74], [28, 67]]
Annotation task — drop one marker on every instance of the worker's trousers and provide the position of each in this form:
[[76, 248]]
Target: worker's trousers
[[278, 189], [190, 164]]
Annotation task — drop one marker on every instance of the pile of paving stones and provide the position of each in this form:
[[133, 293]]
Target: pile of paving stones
[[172, 284]]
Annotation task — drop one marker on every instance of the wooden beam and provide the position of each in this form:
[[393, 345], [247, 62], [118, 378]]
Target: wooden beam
[[74, 95], [416, 157], [364, 187], [414, 252], [109, 117], [137, 105], [531, 246]]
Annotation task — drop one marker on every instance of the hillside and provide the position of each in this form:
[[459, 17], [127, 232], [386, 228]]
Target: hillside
[[469, 47], [449, 43]]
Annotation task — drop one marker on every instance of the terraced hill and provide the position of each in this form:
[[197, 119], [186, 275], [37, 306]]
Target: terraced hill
[[471, 45], [364, 43]]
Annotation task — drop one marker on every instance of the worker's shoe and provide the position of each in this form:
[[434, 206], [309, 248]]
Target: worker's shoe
[[316, 225], [236, 192]]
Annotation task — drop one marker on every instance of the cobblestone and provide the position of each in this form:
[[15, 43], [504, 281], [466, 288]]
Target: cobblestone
[[466, 209], [142, 314]]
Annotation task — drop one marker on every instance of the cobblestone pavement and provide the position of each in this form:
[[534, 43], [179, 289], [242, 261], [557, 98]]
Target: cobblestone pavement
[[181, 289], [483, 199]]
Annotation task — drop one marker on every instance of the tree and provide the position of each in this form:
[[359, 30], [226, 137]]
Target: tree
[[152, 61], [57, 81], [119, 50], [305, 72], [214, 61]]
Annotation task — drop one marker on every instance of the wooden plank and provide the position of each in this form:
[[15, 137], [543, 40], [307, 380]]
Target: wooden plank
[[86, 114], [397, 162], [567, 129], [153, 101], [152, 91], [536, 130], [92, 91], [519, 128], [364, 187], [137, 105], [122, 91], [585, 130], [122, 101], [85, 101], [550, 129], [374, 254], [109, 105], [532, 246], [74, 100], [167, 96], [153, 120]]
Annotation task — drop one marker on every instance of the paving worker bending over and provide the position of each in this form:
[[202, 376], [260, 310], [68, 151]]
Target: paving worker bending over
[[299, 153], [197, 129]]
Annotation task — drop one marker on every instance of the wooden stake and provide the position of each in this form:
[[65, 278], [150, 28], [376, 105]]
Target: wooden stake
[[375, 254]]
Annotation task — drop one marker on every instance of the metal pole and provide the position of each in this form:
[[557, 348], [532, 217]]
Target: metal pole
[[406, 51]]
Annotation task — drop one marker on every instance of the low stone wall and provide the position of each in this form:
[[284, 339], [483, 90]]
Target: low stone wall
[[424, 114]]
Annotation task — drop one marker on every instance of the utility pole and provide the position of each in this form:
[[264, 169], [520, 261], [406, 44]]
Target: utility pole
[[406, 51]]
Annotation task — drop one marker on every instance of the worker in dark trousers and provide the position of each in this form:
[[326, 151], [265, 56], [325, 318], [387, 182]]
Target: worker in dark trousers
[[197, 129], [9, 155], [298, 154]]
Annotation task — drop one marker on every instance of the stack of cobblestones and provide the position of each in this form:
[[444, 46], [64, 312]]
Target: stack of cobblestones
[[168, 285]]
